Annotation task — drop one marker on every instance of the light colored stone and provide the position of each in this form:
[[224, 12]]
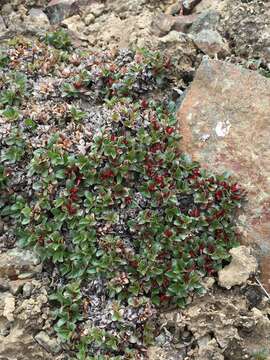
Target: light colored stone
[[208, 283], [89, 19], [118, 33], [96, 9], [49, 344], [159, 353], [156, 353], [224, 122], [242, 265], [75, 24], [6, 9], [18, 262], [14, 22], [18, 344], [37, 21], [204, 5], [211, 351], [174, 9], [211, 43], [27, 289], [7, 306]]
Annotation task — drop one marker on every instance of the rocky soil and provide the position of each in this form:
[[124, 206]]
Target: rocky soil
[[232, 320]]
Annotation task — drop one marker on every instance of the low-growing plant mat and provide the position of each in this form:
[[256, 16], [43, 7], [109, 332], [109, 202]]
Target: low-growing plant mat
[[92, 178]]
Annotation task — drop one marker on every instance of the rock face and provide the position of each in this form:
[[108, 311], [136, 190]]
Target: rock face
[[224, 120], [219, 325], [243, 264]]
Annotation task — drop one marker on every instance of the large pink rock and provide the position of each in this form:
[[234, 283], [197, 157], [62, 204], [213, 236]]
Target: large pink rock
[[225, 123]]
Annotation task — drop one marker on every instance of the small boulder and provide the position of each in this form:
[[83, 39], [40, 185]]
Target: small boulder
[[242, 265], [58, 10], [208, 19], [164, 23], [96, 9], [6, 9], [37, 21], [211, 43], [49, 344], [27, 290], [16, 286], [7, 306], [183, 23], [19, 264], [89, 19], [76, 25]]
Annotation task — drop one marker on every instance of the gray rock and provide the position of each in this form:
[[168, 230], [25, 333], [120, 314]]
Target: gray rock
[[14, 22], [49, 344], [206, 20], [6, 9], [16, 286], [18, 263], [247, 25], [58, 10], [242, 265], [2, 29], [211, 43], [27, 290], [37, 21], [4, 285]]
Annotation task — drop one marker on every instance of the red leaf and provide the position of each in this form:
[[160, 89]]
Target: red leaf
[[169, 130], [144, 104], [218, 195], [168, 233], [152, 187]]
